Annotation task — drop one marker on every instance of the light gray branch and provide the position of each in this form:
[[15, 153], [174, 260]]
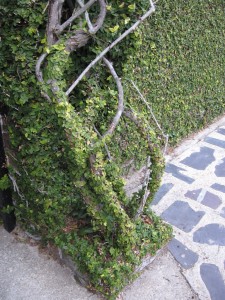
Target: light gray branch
[[118, 115], [94, 29], [59, 29], [79, 39], [128, 113], [54, 18], [38, 71], [100, 20], [39, 74], [153, 116], [98, 24], [106, 50], [145, 185]]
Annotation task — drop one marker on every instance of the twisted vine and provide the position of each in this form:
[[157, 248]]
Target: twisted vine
[[99, 196]]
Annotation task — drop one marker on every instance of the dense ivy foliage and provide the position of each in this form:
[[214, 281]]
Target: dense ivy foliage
[[69, 191], [181, 50]]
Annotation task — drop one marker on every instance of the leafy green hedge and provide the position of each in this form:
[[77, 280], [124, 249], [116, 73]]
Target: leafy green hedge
[[180, 65], [65, 195]]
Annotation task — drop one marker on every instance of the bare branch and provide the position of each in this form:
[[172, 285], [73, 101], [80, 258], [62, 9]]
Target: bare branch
[[118, 115], [38, 71], [78, 40], [130, 115], [54, 17], [166, 144], [152, 114], [46, 96], [138, 122], [98, 24], [80, 37], [90, 25], [39, 74], [147, 192], [60, 28], [44, 10], [106, 50], [15, 186]]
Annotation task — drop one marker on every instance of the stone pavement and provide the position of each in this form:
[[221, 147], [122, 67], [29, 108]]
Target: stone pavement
[[192, 199]]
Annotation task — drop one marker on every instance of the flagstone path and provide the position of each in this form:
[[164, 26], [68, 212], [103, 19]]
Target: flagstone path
[[192, 199]]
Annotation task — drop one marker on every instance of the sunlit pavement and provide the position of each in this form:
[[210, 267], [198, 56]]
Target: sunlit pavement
[[192, 199]]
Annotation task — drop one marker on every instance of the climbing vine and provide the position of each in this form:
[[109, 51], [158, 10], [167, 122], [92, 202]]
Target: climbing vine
[[65, 171], [80, 123]]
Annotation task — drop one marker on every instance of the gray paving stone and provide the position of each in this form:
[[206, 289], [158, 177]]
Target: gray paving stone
[[213, 280], [220, 169], [206, 198], [221, 131], [211, 200], [216, 142], [218, 187], [193, 194], [181, 215], [162, 191], [185, 257], [211, 234], [223, 212], [200, 160], [175, 171]]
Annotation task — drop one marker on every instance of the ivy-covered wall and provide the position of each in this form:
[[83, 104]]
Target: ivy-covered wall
[[68, 190], [179, 65]]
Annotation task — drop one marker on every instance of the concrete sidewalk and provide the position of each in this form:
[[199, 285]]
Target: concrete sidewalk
[[191, 198], [27, 274]]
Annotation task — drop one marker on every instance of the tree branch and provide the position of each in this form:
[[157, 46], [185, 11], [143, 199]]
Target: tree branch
[[54, 17], [78, 40], [106, 50], [59, 29], [101, 17], [145, 184], [152, 114], [120, 109], [38, 71], [39, 74], [130, 115]]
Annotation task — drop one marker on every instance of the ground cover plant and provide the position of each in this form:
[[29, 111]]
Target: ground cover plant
[[93, 90]]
